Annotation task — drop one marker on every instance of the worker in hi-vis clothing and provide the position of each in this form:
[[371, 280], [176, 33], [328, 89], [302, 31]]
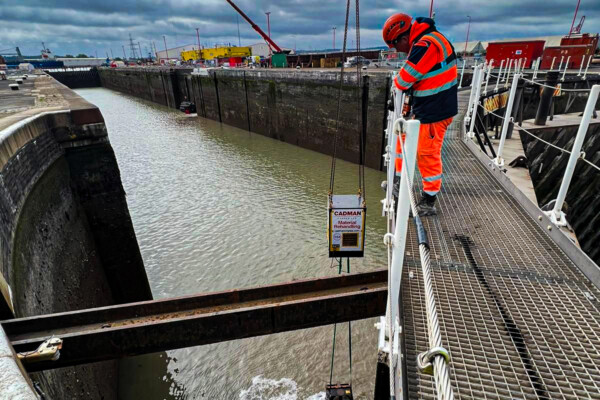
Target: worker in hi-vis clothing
[[429, 77]]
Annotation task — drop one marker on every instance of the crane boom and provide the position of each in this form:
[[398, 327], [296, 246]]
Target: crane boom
[[577, 29], [271, 43]]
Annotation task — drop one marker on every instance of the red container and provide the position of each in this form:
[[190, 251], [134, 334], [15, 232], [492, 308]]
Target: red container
[[584, 38], [576, 53], [530, 50]]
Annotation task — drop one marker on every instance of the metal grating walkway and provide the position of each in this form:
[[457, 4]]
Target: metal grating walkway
[[518, 317]]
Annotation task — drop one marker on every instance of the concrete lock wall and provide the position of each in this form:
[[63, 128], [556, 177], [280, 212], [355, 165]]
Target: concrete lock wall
[[295, 107], [66, 237], [76, 79]]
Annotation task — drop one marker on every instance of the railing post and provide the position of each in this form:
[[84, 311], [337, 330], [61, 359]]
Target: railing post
[[477, 92], [499, 161], [499, 76], [556, 215], [462, 72], [546, 98], [552, 65], [566, 66], [471, 96], [588, 65], [537, 67], [508, 73], [487, 79], [561, 61], [581, 66], [409, 157]]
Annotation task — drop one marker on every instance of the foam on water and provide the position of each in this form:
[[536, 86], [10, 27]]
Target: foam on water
[[270, 389]]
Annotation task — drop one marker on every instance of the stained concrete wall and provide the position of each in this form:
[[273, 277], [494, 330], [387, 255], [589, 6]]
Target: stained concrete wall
[[297, 107], [76, 79], [547, 166], [66, 237]]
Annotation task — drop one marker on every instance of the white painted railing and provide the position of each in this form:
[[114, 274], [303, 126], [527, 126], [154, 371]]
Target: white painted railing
[[397, 218], [556, 215]]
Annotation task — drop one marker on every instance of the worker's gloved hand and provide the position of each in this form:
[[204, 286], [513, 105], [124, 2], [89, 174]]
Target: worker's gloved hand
[[406, 110]]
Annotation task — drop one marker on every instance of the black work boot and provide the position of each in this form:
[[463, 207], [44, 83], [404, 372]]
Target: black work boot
[[426, 205]]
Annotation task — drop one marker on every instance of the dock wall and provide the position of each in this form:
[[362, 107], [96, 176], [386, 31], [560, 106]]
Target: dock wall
[[547, 167], [77, 78], [66, 237], [295, 107]]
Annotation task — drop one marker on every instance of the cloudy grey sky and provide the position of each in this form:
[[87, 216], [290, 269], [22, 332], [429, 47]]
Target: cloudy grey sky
[[90, 26]]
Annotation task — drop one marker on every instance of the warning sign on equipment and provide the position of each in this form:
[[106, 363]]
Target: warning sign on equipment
[[346, 226]]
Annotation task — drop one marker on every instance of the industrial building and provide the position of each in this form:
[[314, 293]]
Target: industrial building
[[473, 47], [174, 53]]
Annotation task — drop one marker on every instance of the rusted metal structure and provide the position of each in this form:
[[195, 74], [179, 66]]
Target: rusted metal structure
[[150, 326]]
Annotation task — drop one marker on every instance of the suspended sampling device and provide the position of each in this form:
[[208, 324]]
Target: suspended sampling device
[[346, 213]]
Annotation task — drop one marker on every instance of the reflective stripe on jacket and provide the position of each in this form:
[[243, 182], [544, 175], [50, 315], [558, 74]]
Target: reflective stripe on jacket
[[430, 72]]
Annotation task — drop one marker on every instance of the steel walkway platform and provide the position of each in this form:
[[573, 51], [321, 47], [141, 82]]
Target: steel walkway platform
[[520, 319]]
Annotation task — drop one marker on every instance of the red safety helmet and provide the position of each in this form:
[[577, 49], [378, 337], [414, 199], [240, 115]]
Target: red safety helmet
[[394, 27]]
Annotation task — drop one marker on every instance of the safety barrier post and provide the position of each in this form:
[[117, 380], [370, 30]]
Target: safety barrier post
[[477, 93], [400, 232], [508, 73], [390, 155], [536, 68], [487, 79], [588, 65], [561, 61], [499, 76], [462, 72], [566, 66], [499, 161], [556, 215], [581, 66], [476, 73]]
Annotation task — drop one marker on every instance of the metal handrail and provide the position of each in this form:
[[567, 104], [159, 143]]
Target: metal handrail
[[556, 215], [397, 222]]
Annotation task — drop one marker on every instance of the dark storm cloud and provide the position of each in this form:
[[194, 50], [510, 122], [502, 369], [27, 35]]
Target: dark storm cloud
[[72, 26]]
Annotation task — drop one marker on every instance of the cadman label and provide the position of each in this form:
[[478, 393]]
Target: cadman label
[[346, 226]]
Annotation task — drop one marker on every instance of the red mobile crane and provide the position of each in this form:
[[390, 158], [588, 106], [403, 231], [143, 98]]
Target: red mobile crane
[[272, 45]]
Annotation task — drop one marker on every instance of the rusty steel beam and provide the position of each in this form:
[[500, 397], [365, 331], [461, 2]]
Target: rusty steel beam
[[150, 326]]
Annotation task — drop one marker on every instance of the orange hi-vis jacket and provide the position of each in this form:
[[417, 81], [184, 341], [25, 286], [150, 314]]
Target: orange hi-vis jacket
[[430, 73]]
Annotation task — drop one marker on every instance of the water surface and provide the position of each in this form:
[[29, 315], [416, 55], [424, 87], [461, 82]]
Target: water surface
[[214, 208]]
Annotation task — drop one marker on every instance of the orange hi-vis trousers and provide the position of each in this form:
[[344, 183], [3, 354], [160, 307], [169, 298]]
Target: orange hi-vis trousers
[[429, 155]]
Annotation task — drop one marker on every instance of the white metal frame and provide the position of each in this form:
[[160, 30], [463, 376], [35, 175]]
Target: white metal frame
[[556, 215], [499, 161], [389, 327], [475, 91]]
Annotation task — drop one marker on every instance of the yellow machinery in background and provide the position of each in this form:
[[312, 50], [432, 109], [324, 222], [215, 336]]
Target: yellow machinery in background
[[217, 52]]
